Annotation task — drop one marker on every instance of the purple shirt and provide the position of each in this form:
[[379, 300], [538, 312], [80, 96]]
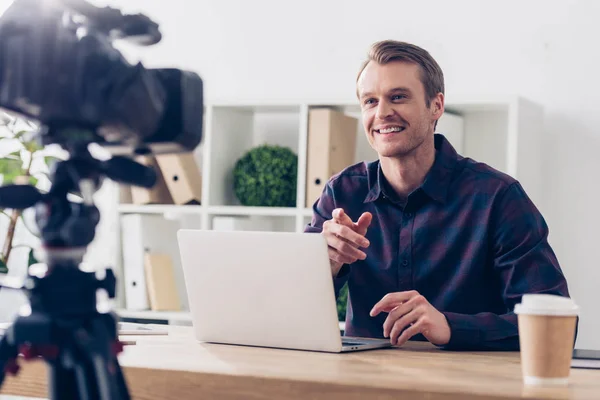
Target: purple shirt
[[469, 240]]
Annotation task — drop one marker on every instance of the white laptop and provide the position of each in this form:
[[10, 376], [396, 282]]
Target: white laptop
[[268, 289]]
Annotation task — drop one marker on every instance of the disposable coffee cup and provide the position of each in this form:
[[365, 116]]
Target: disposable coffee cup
[[546, 335]]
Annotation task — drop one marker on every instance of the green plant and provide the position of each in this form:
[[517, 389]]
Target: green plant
[[19, 152], [266, 176], [342, 302]]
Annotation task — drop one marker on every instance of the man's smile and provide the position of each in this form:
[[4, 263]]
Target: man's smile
[[386, 129]]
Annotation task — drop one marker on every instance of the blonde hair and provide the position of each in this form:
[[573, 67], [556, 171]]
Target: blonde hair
[[386, 51]]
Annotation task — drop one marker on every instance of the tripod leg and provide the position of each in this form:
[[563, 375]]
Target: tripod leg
[[86, 381], [97, 356], [121, 384], [8, 354], [75, 382], [108, 368], [62, 383], [107, 378]]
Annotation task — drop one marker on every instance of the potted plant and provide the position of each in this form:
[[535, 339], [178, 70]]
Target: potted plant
[[265, 176], [342, 302], [22, 161]]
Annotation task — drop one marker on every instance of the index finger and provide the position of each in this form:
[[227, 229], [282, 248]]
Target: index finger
[[340, 216], [347, 233], [391, 301]]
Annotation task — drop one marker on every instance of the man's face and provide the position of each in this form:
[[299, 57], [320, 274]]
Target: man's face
[[395, 115]]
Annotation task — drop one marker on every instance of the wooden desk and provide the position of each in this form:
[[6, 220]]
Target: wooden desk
[[176, 367]]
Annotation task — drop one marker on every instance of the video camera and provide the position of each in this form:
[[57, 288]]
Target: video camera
[[59, 68]]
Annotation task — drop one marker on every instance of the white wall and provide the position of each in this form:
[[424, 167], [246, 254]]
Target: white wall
[[545, 50]]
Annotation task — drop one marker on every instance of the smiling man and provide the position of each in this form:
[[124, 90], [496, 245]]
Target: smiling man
[[433, 246]]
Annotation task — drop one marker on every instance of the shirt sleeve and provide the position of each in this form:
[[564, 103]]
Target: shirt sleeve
[[322, 211], [523, 261]]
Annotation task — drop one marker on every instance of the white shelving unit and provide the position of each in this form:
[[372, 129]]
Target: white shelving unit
[[504, 132], [159, 209]]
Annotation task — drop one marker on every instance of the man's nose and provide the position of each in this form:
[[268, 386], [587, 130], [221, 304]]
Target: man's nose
[[384, 110]]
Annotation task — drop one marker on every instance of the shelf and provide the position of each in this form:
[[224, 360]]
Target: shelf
[[213, 210], [245, 210], [171, 211], [159, 209], [259, 108], [307, 212]]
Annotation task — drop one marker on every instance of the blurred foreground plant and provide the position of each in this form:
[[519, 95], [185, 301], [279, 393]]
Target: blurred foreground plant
[[22, 161]]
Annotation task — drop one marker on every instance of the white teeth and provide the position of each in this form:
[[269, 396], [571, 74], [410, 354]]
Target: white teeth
[[390, 130]]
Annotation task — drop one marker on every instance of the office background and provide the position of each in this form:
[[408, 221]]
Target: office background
[[283, 51]]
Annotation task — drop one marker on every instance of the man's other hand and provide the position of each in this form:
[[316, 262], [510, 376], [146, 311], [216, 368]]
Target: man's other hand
[[412, 311], [345, 238]]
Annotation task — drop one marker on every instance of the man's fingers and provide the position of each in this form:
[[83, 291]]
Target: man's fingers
[[339, 257], [398, 312], [346, 248], [409, 332], [386, 308], [392, 300], [343, 231], [340, 216], [363, 222], [343, 240], [398, 323]]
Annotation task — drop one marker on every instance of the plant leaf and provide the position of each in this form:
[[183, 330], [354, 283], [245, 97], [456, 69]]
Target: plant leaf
[[3, 267], [20, 134], [10, 169], [32, 260], [32, 146], [342, 301], [49, 160], [8, 165]]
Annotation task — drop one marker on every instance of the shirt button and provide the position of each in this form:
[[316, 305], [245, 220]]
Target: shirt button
[[405, 262], [408, 215]]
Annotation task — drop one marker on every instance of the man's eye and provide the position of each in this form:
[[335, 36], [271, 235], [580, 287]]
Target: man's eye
[[398, 97], [369, 101]]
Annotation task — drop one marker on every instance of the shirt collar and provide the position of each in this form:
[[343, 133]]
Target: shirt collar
[[437, 180], [373, 179]]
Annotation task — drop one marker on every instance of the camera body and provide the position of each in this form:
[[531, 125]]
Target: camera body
[[58, 66]]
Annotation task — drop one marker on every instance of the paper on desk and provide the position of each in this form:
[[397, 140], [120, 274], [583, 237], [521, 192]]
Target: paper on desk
[[130, 328], [125, 328], [585, 363]]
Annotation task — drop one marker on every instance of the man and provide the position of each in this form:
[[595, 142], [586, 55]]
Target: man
[[433, 246]]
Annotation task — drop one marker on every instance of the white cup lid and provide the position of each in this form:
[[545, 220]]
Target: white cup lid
[[546, 304]]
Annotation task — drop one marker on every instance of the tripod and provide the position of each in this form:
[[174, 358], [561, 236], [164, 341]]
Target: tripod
[[65, 328]]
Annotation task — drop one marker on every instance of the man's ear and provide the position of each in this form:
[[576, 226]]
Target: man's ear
[[437, 106]]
